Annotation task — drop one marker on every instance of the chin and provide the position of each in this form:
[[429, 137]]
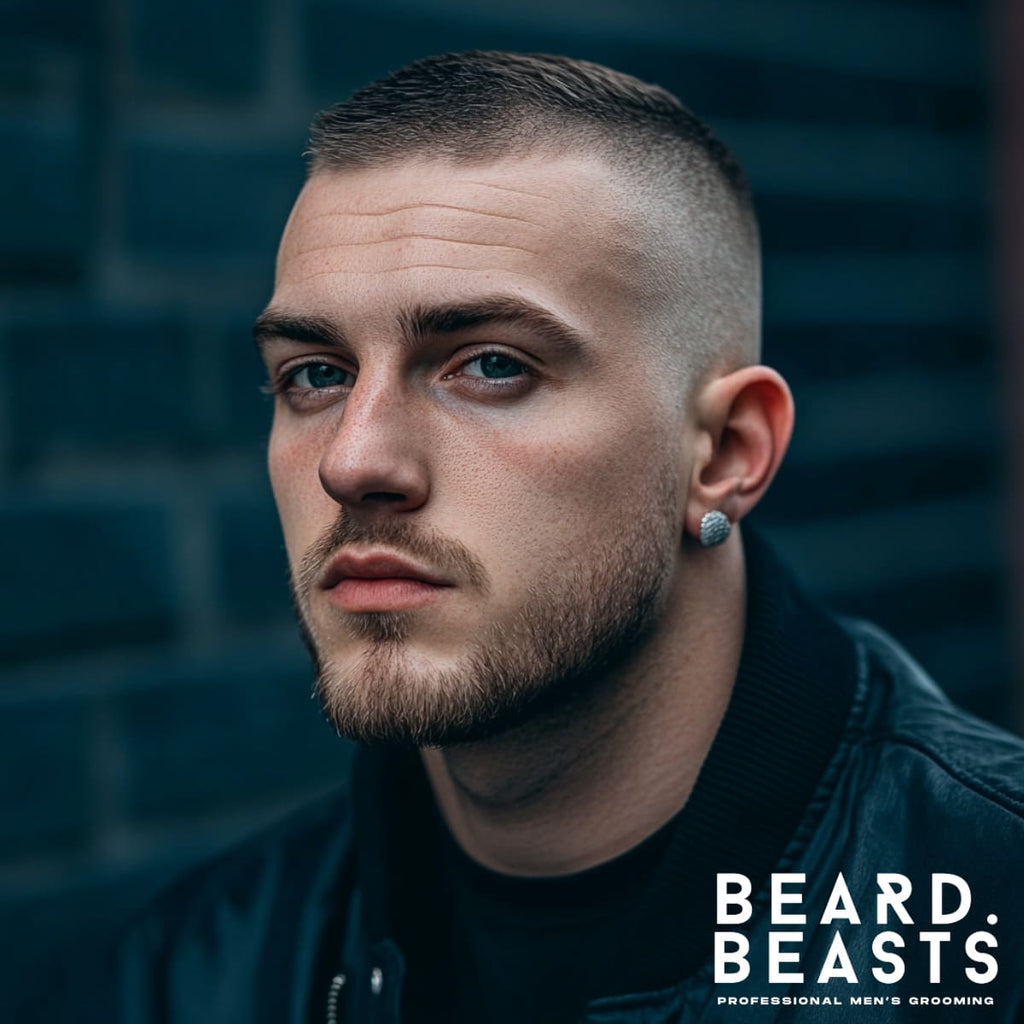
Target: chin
[[386, 696]]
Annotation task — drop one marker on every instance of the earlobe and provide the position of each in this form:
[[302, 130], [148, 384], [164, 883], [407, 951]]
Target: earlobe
[[745, 419]]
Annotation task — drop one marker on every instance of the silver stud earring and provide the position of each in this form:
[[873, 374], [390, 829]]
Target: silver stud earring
[[714, 528]]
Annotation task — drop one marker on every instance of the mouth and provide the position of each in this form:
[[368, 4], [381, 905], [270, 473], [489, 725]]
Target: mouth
[[379, 582]]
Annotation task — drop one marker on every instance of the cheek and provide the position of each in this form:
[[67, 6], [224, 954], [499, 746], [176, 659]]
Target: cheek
[[302, 506], [572, 484]]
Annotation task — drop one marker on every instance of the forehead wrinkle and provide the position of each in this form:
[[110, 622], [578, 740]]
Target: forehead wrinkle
[[416, 266], [419, 206], [441, 225], [406, 237], [509, 188]]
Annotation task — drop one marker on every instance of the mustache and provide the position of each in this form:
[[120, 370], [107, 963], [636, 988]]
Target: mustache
[[443, 555]]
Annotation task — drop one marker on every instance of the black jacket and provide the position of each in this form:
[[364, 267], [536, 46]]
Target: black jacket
[[837, 755]]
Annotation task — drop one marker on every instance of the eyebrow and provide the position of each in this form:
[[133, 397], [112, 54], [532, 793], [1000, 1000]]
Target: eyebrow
[[450, 318], [274, 324], [427, 321]]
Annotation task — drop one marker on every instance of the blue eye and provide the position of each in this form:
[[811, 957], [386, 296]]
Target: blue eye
[[321, 375], [494, 366]]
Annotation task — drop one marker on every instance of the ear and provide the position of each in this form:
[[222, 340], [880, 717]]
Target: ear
[[744, 422]]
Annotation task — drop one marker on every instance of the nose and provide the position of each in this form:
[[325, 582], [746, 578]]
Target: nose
[[374, 459]]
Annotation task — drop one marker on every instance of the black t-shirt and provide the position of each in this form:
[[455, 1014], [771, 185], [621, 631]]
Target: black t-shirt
[[537, 949]]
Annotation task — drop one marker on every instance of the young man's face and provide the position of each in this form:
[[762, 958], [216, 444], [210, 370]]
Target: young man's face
[[478, 453]]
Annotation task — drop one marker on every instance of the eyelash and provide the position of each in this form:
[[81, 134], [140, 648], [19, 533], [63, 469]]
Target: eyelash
[[299, 396], [283, 383], [494, 384]]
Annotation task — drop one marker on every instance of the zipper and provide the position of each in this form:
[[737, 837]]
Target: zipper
[[337, 984]]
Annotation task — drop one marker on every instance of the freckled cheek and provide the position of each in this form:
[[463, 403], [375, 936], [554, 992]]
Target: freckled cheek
[[304, 508]]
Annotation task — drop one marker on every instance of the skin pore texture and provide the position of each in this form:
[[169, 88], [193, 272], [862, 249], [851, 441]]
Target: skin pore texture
[[472, 374]]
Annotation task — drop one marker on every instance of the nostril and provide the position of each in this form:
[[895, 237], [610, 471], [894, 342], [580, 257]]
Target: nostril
[[383, 496]]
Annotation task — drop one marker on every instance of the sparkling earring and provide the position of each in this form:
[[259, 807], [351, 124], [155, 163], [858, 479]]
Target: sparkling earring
[[714, 528]]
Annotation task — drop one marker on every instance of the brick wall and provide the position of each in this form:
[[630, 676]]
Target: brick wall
[[154, 702]]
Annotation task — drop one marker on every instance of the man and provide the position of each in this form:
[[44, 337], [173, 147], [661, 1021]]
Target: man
[[616, 767]]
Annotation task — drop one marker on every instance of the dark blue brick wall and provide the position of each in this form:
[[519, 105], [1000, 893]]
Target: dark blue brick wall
[[233, 366], [194, 48], [154, 697], [82, 576], [46, 167], [251, 554], [199, 200], [45, 785], [174, 743], [91, 382]]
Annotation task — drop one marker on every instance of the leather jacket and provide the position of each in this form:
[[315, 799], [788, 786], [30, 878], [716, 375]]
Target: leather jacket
[[281, 930]]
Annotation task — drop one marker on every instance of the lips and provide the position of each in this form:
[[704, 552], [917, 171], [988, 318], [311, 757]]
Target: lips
[[376, 567], [379, 582]]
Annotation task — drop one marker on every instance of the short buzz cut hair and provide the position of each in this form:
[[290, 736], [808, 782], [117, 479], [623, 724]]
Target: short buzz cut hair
[[480, 104], [685, 184]]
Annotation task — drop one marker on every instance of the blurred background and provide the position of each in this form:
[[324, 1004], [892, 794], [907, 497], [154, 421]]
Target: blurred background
[[154, 700]]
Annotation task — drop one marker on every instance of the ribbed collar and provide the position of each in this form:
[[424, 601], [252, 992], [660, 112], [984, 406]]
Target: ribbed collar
[[783, 724]]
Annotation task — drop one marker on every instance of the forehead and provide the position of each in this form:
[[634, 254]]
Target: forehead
[[557, 229]]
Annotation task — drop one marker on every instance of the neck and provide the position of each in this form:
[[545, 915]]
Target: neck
[[569, 791]]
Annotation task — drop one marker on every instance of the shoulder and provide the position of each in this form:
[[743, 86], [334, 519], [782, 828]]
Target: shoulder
[[283, 861], [924, 786], [908, 717], [220, 942], [923, 799]]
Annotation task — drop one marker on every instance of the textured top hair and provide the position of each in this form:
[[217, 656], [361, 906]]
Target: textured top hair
[[480, 105]]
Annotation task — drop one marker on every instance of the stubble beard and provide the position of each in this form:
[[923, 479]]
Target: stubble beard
[[567, 638]]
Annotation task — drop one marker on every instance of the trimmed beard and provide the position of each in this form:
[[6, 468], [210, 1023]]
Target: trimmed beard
[[566, 639]]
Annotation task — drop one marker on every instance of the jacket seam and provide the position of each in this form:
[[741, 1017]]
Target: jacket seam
[[1007, 801]]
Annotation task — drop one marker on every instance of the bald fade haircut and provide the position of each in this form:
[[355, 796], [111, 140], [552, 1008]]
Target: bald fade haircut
[[480, 106]]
